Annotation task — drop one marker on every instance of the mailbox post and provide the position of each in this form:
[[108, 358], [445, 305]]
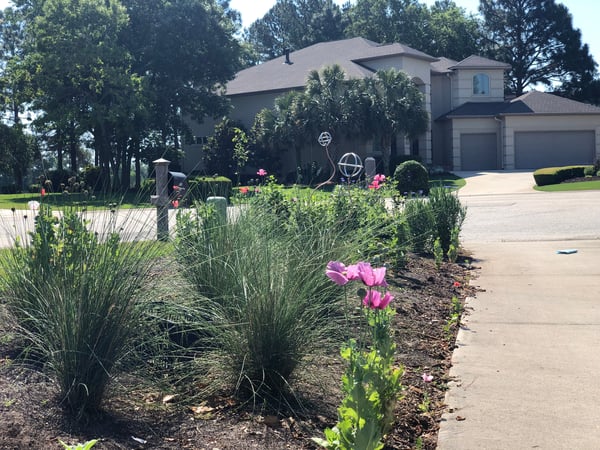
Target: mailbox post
[[161, 199]]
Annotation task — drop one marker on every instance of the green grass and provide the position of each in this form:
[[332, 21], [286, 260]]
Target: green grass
[[447, 179], [129, 200], [566, 187]]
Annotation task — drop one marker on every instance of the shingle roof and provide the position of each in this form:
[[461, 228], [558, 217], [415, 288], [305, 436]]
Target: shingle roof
[[352, 55], [530, 103], [479, 62], [544, 103], [442, 65]]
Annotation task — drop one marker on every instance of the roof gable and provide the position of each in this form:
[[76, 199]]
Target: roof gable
[[479, 62], [352, 55]]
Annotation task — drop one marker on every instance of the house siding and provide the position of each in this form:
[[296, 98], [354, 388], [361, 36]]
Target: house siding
[[462, 86]]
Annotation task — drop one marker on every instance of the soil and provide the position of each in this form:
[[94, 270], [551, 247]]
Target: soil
[[135, 417]]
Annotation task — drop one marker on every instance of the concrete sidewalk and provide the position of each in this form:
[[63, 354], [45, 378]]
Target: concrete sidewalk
[[527, 365]]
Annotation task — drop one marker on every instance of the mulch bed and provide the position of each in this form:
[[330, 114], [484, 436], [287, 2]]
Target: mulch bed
[[137, 418]]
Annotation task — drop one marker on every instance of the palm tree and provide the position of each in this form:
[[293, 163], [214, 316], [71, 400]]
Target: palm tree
[[395, 106]]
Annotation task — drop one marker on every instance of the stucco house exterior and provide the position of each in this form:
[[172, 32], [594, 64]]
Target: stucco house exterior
[[472, 127]]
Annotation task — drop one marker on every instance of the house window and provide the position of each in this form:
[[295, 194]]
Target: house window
[[481, 84], [200, 140]]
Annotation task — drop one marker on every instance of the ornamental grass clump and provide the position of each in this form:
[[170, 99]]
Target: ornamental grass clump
[[73, 296], [371, 383], [265, 306]]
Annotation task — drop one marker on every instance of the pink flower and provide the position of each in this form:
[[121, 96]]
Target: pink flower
[[374, 185], [379, 178], [427, 378], [261, 172], [371, 277], [336, 271], [352, 272], [175, 204], [244, 190], [456, 284], [374, 300]]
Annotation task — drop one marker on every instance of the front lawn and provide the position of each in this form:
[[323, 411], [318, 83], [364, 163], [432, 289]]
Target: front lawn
[[565, 187]]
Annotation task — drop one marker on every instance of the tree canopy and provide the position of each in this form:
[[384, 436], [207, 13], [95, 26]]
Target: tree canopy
[[126, 72], [537, 38], [294, 24]]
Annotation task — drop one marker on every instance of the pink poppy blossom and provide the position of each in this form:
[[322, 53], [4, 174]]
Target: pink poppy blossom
[[379, 178], [456, 284], [352, 272], [336, 271], [374, 185], [427, 378], [244, 190], [261, 172], [374, 300], [175, 204], [371, 277]]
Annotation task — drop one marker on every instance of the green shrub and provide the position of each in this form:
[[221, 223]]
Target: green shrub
[[556, 175], [411, 176], [72, 296], [449, 215], [589, 171], [200, 188], [421, 224]]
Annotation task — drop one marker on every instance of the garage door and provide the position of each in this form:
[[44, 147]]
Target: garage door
[[534, 150], [479, 151]]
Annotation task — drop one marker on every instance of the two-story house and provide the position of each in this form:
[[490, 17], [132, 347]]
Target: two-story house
[[472, 127]]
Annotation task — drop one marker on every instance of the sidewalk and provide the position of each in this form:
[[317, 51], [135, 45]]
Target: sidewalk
[[527, 365]]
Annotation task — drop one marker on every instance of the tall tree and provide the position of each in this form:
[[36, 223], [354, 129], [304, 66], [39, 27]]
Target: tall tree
[[442, 30], [82, 70], [294, 24], [452, 32], [185, 50], [537, 38]]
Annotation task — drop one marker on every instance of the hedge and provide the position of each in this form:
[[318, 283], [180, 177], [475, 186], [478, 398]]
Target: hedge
[[200, 188], [556, 175]]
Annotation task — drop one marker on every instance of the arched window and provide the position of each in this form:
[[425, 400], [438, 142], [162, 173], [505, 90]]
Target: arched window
[[481, 84]]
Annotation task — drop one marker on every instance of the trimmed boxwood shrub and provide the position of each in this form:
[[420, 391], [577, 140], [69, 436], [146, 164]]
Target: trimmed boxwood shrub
[[200, 188], [412, 176], [556, 175]]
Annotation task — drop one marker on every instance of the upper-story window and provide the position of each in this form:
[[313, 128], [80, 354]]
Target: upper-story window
[[481, 84]]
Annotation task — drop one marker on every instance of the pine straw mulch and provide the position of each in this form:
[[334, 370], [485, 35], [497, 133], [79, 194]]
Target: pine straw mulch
[[135, 417]]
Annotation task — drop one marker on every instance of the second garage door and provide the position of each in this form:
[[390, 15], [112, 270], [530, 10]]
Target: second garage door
[[537, 149]]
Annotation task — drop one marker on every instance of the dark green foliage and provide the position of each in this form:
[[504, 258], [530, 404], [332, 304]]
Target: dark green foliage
[[294, 25], [538, 40], [411, 177], [92, 177], [218, 154], [200, 188], [556, 175], [421, 224]]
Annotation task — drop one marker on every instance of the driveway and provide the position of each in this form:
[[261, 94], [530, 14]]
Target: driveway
[[497, 182], [525, 365]]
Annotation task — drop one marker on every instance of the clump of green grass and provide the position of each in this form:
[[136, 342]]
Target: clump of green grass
[[266, 304], [73, 296]]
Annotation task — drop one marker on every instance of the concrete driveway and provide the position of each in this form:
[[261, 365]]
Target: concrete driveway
[[526, 362], [497, 182]]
